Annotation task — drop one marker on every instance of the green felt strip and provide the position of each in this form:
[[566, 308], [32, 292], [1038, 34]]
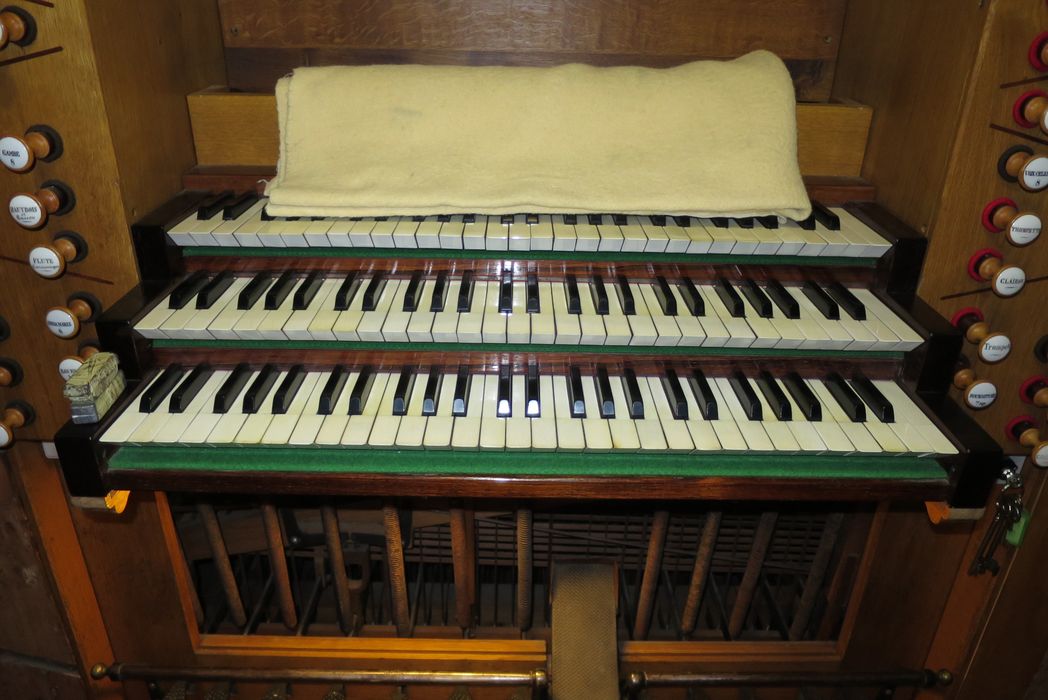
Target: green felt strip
[[678, 351], [325, 460], [447, 254]]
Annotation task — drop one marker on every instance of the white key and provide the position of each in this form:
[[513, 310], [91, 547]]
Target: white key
[[611, 236], [384, 429], [445, 323], [753, 432], [255, 424], [474, 234], [420, 326], [359, 234], [768, 239], [568, 330], [746, 240], [623, 429], [177, 423], [223, 324], [591, 325], [596, 429], [497, 236], [883, 337], [518, 323], [766, 334], [151, 324], [471, 323], [427, 235], [395, 325], [450, 235], [293, 235], [359, 428], [564, 236], [271, 326], [700, 238], [782, 434], [174, 325], [677, 238], [792, 236], [570, 435], [649, 428], [544, 428], [543, 323], [642, 325], [412, 429], [657, 238], [816, 334], [518, 426], [181, 234], [873, 244], [338, 232], [439, 427], [125, 424], [404, 233], [247, 323], [908, 338], [199, 326], [283, 425], [690, 327], [332, 426], [667, 332], [634, 240], [542, 233], [810, 434], [370, 326], [269, 232], [223, 234], [382, 232], [857, 434], [791, 335], [519, 233], [723, 238], [297, 326], [739, 334], [316, 233], [678, 437], [814, 243], [587, 237], [702, 431], [492, 428], [724, 425], [909, 416], [465, 434], [246, 233], [617, 324], [493, 327]]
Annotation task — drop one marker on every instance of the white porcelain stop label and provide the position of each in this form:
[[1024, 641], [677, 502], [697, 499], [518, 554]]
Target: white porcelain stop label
[[1040, 455], [46, 262], [6, 436], [62, 323], [980, 395], [1035, 174], [1025, 229], [1009, 281], [26, 211], [68, 367], [14, 154], [995, 348]]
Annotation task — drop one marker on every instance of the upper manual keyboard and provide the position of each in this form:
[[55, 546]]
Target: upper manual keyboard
[[242, 221]]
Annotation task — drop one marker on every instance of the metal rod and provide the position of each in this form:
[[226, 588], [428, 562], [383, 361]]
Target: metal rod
[[524, 569], [659, 525], [761, 540], [333, 535], [278, 564], [813, 583], [460, 563], [221, 556], [923, 678], [398, 585], [703, 557], [123, 672]]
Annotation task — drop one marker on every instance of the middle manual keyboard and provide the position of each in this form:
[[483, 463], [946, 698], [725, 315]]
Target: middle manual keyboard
[[569, 309]]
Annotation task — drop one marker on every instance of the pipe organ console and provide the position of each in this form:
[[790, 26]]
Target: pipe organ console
[[399, 456]]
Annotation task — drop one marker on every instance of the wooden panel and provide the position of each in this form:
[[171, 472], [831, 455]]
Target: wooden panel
[[266, 39], [241, 129]]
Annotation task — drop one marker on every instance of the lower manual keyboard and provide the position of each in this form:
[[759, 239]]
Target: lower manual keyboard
[[579, 409]]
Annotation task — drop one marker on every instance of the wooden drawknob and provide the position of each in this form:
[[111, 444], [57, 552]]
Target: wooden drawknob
[[16, 27], [1020, 164], [10, 372], [65, 321], [1019, 227], [993, 347], [978, 393], [20, 153], [16, 414], [987, 265], [68, 366], [1031, 109], [31, 209], [1023, 430], [50, 260], [1035, 390]]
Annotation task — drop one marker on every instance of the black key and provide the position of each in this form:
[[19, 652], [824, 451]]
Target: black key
[[214, 289], [440, 292], [418, 219], [626, 301], [600, 295], [432, 392], [255, 396], [285, 393], [692, 297], [751, 406], [238, 206], [461, 399], [783, 299], [402, 392], [465, 296], [506, 292], [664, 294], [154, 396], [531, 219], [730, 298], [769, 222], [852, 405], [821, 300], [803, 396], [744, 222], [675, 395], [605, 397], [704, 395], [189, 388], [873, 398], [187, 289], [847, 301], [575, 397], [634, 400], [333, 388], [825, 217], [757, 298], [595, 219], [532, 400], [444, 218], [469, 218], [307, 291], [212, 205], [618, 219], [534, 306], [775, 396], [254, 290], [413, 294], [658, 219], [266, 216], [231, 388], [281, 288], [720, 221], [682, 221], [504, 394], [809, 223], [571, 219], [507, 219], [346, 291], [373, 292], [359, 395], [571, 286]]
